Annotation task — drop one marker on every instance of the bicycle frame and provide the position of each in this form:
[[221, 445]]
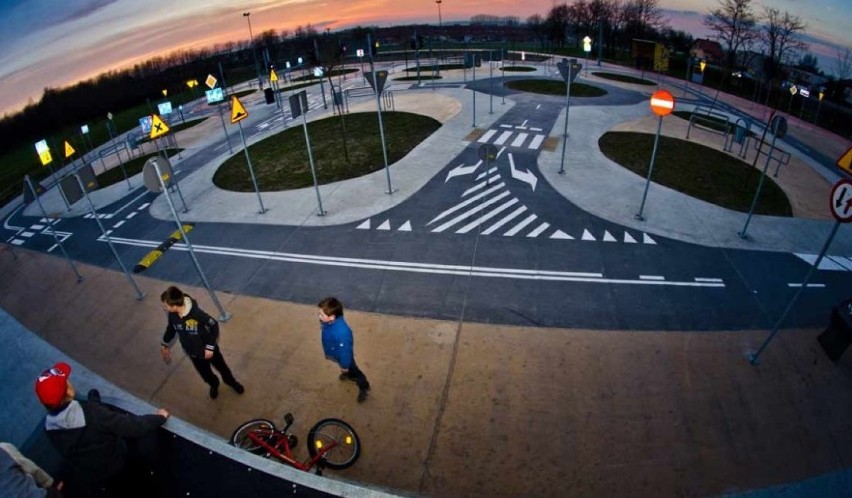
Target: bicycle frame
[[281, 438]]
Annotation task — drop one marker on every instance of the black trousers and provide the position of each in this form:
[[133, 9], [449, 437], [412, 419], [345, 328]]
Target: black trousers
[[218, 362], [358, 376]]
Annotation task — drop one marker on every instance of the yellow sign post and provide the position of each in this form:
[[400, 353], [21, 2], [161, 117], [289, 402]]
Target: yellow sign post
[[272, 75], [69, 151], [238, 112], [158, 127]]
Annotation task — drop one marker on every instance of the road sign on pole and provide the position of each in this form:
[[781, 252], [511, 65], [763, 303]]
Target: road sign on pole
[[845, 161], [841, 200], [238, 112], [211, 81], [69, 151], [662, 102], [158, 127]]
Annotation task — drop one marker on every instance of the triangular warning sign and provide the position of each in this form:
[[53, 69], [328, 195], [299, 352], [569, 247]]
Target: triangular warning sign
[[158, 127], [845, 161], [238, 112], [69, 151], [273, 76]]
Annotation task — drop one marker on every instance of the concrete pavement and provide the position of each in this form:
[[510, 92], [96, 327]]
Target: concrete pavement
[[467, 409]]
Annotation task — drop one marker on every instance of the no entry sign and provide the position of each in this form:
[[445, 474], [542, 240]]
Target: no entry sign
[[662, 102]]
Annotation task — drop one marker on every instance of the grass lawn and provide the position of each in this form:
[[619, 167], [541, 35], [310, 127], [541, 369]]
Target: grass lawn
[[132, 168], [555, 87], [280, 162], [623, 78], [697, 171]]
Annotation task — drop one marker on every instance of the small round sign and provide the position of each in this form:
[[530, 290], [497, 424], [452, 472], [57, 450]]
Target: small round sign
[[662, 102], [150, 177], [841, 200]]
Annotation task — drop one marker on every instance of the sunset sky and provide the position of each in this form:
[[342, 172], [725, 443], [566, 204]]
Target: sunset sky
[[52, 43]]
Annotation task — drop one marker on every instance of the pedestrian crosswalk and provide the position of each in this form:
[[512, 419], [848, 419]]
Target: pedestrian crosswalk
[[518, 138]]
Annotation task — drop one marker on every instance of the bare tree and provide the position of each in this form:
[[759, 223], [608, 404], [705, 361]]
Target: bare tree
[[780, 35], [733, 25], [843, 64], [557, 23], [535, 23], [644, 17]]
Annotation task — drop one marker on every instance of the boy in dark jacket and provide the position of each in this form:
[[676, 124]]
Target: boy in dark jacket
[[89, 434], [199, 336], [338, 345]]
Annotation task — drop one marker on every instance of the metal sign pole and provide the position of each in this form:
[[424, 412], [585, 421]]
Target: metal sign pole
[[491, 82], [311, 156], [381, 125], [139, 294], [754, 357], [473, 87], [50, 227], [650, 171], [251, 170], [224, 316], [567, 108], [224, 128], [742, 234], [503, 70]]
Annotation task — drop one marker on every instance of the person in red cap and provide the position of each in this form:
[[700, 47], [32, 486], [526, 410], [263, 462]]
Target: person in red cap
[[90, 434]]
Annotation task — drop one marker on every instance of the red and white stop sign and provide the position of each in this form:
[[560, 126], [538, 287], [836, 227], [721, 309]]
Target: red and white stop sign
[[662, 102]]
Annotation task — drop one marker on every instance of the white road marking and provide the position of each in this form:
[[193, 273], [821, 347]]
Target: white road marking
[[416, 267], [539, 230], [467, 202], [519, 140], [470, 212], [503, 137], [506, 219], [520, 226], [487, 136], [482, 219], [535, 143]]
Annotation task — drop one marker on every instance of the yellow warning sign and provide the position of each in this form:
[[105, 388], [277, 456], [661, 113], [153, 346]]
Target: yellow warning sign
[[238, 112], [69, 151], [845, 161], [158, 127], [272, 75], [45, 158]]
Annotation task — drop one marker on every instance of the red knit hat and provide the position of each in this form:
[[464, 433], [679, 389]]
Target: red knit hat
[[52, 385]]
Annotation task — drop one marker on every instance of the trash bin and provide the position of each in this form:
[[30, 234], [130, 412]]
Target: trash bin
[[838, 335], [270, 95], [739, 134]]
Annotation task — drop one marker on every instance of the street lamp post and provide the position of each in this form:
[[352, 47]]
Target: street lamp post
[[439, 12], [253, 53], [440, 31]]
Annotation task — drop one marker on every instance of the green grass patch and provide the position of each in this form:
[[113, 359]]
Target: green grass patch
[[132, 167], [280, 162], [519, 69], [697, 171], [624, 78], [555, 87], [711, 122]]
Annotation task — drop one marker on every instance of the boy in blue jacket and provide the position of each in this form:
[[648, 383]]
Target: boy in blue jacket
[[337, 344]]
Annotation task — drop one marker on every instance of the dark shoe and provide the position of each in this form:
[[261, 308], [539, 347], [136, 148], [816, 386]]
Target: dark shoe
[[214, 392], [94, 395], [236, 386], [362, 396]]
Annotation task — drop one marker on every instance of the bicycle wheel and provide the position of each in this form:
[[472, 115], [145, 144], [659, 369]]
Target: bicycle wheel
[[337, 433], [240, 437]]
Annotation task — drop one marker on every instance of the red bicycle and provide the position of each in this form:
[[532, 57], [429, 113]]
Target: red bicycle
[[332, 443]]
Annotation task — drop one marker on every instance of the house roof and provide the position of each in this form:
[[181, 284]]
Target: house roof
[[709, 47]]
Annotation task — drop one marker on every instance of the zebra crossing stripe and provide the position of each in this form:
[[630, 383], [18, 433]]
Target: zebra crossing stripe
[[487, 136], [535, 233], [491, 181], [840, 260], [26, 234], [17, 242], [514, 214], [468, 202], [502, 139], [488, 216], [520, 226], [470, 212], [519, 140], [536, 142]]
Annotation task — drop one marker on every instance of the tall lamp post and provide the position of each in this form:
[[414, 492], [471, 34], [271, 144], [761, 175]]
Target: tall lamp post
[[253, 53], [439, 12], [440, 31]]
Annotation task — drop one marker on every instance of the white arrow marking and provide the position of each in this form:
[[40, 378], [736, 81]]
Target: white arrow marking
[[524, 176], [461, 169]]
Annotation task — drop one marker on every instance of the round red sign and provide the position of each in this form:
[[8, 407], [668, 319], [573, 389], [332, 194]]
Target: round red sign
[[662, 102]]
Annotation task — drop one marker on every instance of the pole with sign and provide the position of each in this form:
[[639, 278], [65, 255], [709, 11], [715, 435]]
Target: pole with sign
[[569, 71], [139, 294], [587, 47], [239, 113], [299, 107], [662, 103], [50, 228], [159, 128], [778, 125], [840, 202], [377, 80], [158, 180]]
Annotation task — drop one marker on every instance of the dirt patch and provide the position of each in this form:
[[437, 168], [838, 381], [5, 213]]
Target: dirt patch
[[807, 190]]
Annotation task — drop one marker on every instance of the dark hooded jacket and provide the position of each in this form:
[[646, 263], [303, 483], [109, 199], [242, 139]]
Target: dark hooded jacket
[[90, 435]]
